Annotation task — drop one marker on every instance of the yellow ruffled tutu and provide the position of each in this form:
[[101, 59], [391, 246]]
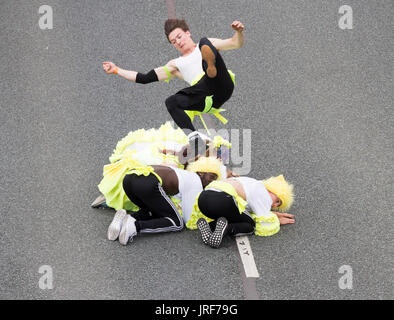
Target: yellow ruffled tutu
[[138, 149], [164, 137]]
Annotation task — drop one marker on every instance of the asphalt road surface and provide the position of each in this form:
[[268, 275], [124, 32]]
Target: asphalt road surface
[[317, 101]]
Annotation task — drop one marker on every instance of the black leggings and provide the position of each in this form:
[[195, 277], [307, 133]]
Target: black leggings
[[158, 213], [193, 98], [214, 205]]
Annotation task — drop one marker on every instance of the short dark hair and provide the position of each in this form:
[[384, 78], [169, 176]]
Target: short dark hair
[[172, 24]]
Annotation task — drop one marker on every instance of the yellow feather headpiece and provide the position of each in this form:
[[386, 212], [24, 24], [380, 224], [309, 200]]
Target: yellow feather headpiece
[[206, 164], [282, 189]]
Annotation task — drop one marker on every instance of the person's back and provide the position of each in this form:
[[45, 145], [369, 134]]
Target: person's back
[[169, 179]]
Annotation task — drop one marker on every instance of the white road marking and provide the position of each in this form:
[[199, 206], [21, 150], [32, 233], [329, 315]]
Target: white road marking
[[245, 251]]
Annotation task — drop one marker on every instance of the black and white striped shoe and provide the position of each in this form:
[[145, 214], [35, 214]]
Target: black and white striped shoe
[[205, 230], [216, 239]]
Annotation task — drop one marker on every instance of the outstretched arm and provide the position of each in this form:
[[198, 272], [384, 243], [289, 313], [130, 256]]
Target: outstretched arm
[[235, 42], [158, 74], [285, 218]]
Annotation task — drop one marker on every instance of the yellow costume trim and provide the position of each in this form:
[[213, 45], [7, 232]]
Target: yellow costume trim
[[219, 141], [165, 133], [168, 158], [167, 73], [214, 111], [208, 105], [266, 226], [113, 174], [145, 171]]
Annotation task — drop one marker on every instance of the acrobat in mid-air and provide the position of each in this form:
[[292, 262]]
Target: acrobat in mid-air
[[201, 65]]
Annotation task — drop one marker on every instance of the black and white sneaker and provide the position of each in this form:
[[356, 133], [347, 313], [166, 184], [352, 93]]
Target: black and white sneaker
[[205, 230], [221, 227]]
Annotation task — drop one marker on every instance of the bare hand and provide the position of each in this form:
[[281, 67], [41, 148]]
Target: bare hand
[[237, 26], [231, 174], [285, 218], [167, 151], [109, 67]]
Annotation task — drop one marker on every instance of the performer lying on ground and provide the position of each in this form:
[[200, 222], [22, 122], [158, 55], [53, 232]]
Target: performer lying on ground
[[149, 187], [240, 206], [201, 65], [163, 146]]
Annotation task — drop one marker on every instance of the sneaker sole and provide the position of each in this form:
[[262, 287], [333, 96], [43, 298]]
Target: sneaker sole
[[116, 225], [205, 230], [209, 57], [122, 236], [217, 236]]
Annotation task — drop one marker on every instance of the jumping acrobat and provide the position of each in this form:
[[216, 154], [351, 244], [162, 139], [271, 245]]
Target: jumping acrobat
[[202, 66]]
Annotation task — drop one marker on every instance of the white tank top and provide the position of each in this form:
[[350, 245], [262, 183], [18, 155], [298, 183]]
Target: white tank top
[[190, 66]]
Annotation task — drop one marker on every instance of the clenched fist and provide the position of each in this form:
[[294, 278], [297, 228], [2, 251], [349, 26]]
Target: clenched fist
[[237, 26], [109, 67]]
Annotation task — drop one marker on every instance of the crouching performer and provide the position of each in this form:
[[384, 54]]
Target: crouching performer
[[241, 206], [151, 188], [163, 146]]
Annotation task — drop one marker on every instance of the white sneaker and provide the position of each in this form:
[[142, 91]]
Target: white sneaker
[[197, 133], [98, 202], [128, 230], [116, 225]]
